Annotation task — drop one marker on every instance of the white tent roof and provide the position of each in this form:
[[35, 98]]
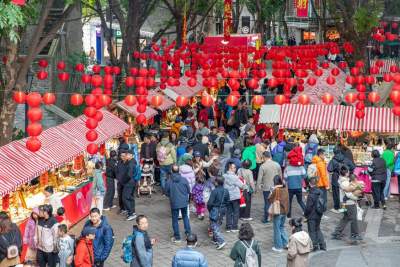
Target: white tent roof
[[270, 114]]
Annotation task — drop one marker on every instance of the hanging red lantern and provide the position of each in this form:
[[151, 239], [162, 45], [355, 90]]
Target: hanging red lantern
[[33, 144], [206, 100], [350, 80], [350, 98], [262, 74], [63, 76], [43, 63], [19, 97], [361, 96], [34, 99], [258, 100], [395, 25], [342, 64], [359, 79], [156, 100], [360, 114], [394, 68], [96, 81], [373, 97], [108, 70], [192, 82], [396, 110], [129, 81], [104, 99], [374, 70], [327, 98], [34, 114], [325, 65], [360, 64], [387, 77], [163, 86], [76, 99], [141, 119], [116, 70], [49, 98], [304, 99], [252, 84], [232, 100], [361, 88], [90, 112], [79, 67], [370, 79], [91, 135], [318, 72], [90, 100], [360, 105], [279, 99], [396, 87], [181, 101], [291, 82], [141, 108], [108, 79], [130, 100], [150, 82], [301, 73], [330, 80], [335, 71], [143, 72], [99, 116], [91, 123], [300, 88], [273, 82], [92, 148], [354, 71], [86, 78], [42, 75], [311, 81], [396, 77], [395, 97], [61, 65], [96, 69], [34, 129]]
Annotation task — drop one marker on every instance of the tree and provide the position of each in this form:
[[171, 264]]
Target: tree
[[13, 22]]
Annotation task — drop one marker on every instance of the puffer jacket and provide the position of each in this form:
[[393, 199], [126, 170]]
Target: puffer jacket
[[335, 164], [311, 206], [219, 197], [322, 172], [188, 257], [84, 253], [187, 172], [46, 235], [171, 152], [300, 245], [178, 191], [104, 239], [250, 154], [377, 170], [233, 185]]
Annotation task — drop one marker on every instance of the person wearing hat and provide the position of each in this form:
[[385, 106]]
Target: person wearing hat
[[188, 256], [235, 159], [84, 255], [186, 169]]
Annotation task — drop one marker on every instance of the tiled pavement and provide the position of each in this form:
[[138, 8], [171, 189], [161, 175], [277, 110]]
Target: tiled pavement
[[158, 211]]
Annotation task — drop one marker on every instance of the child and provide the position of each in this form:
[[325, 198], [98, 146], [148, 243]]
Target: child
[[198, 198], [60, 217], [29, 235], [84, 256], [352, 183], [65, 246]]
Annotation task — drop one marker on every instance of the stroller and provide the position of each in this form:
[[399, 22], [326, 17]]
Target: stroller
[[145, 185]]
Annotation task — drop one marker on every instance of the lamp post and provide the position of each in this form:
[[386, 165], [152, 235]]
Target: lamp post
[[369, 47], [29, 79]]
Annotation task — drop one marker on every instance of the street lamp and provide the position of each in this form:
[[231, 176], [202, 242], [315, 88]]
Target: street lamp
[[369, 48], [29, 80]]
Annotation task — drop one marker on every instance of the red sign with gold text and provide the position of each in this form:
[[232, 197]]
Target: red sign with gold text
[[302, 8]]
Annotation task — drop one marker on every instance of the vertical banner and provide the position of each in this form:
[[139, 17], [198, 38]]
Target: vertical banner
[[227, 19], [302, 8]]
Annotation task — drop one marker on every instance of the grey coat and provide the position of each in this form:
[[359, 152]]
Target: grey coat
[[233, 185]]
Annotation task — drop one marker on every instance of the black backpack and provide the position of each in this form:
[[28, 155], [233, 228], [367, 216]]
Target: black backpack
[[320, 206]]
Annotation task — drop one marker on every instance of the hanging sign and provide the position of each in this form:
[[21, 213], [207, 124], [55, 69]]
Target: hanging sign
[[302, 8], [227, 19]]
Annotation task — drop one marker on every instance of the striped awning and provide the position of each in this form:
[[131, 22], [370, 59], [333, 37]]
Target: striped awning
[[149, 113], [166, 104], [60, 144], [376, 119], [270, 114], [311, 117], [183, 89], [386, 64]]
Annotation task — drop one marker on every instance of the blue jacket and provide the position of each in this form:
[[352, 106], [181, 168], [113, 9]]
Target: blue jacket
[[294, 176], [143, 257], [188, 257], [219, 197], [104, 240], [178, 191]]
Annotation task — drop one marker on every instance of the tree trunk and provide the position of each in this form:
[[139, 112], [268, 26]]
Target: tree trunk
[[268, 29], [179, 29]]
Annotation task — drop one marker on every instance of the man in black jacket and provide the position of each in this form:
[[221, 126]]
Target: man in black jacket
[[111, 168], [129, 186], [120, 172], [148, 149], [314, 217]]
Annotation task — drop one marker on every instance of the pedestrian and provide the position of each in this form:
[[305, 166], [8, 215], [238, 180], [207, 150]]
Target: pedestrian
[[65, 246], [268, 170], [111, 168], [294, 175], [246, 251], [278, 153], [98, 188], [46, 238], [388, 156], [10, 241], [279, 201], [61, 218], [249, 153], [233, 185], [29, 235], [216, 205], [166, 156], [178, 191], [121, 173], [260, 149], [189, 257], [201, 145], [129, 186], [378, 173], [142, 245], [104, 240], [198, 197], [314, 213], [51, 198], [310, 150], [300, 245], [247, 175], [84, 252], [186, 169]]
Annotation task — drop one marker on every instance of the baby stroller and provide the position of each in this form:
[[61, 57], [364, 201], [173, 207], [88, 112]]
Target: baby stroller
[[145, 185]]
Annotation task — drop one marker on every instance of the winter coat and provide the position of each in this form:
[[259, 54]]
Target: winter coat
[[233, 160], [171, 152], [29, 234], [268, 170], [13, 237], [238, 252], [280, 193], [228, 146], [197, 193], [142, 249], [377, 170], [46, 234], [260, 149], [247, 175], [104, 239], [111, 168], [294, 176], [148, 151], [202, 148], [219, 197], [322, 172], [240, 117], [65, 248], [233, 185], [188, 257], [178, 191], [250, 154], [388, 156], [295, 157], [299, 247], [187, 172], [310, 211], [335, 164], [98, 183], [84, 253]]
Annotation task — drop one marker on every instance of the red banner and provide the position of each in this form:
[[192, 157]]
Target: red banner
[[227, 19], [302, 8]]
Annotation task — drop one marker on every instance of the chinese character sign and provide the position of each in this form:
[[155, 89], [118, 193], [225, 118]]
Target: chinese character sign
[[227, 19], [302, 8]]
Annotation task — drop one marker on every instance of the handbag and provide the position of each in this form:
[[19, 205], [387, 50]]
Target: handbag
[[214, 213], [275, 207]]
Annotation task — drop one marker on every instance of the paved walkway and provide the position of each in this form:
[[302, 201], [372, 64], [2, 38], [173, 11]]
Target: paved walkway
[[378, 244]]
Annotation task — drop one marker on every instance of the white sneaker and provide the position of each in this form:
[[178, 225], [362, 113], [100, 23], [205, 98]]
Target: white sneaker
[[132, 217], [325, 217], [277, 249], [106, 209], [114, 206], [335, 211], [221, 246]]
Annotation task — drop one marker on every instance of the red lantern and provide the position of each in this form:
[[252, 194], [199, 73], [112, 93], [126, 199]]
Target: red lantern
[[91, 135], [90, 112], [370, 79], [181, 101], [342, 64], [360, 64], [33, 144], [19, 97], [325, 65], [92, 148], [395, 97], [396, 87], [63, 76], [35, 114], [355, 71], [42, 75], [76, 99], [318, 72], [108, 70], [61, 65], [90, 100], [129, 81], [335, 71], [192, 82], [374, 70], [301, 73], [373, 97], [141, 108], [330, 80], [91, 123], [206, 100], [143, 72], [156, 100], [43, 63], [396, 77], [96, 80], [86, 78], [350, 98], [34, 129], [396, 110], [141, 119], [311, 81], [79, 67], [279, 99], [130, 100], [252, 84], [304, 99], [116, 70], [361, 88], [300, 88], [49, 98], [394, 68], [327, 98], [34, 99], [104, 99], [258, 100], [395, 25], [232, 100], [96, 69], [108, 79], [387, 77], [361, 96], [360, 114], [360, 105], [273, 82], [350, 80], [133, 71], [99, 116]]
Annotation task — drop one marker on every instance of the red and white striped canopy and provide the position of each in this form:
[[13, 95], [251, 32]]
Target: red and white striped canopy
[[376, 120], [311, 117], [60, 144], [386, 64], [166, 104], [149, 113]]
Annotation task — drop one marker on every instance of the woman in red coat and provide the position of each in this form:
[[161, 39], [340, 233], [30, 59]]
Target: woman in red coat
[[84, 256]]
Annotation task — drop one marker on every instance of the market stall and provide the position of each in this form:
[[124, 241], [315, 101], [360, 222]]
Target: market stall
[[270, 114]]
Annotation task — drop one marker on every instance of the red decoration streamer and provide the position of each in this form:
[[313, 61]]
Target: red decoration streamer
[[227, 19]]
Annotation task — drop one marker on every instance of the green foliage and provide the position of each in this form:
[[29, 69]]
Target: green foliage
[[367, 17], [18, 134], [268, 7]]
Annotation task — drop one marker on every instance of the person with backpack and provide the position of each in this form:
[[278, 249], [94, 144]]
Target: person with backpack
[[310, 150], [166, 156], [104, 239], [300, 245], [10, 241], [140, 246], [84, 252], [46, 238], [388, 156], [98, 188], [246, 251], [65, 246], [188, 257], [279, 154], [315, 208]]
